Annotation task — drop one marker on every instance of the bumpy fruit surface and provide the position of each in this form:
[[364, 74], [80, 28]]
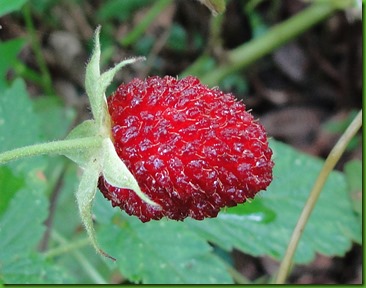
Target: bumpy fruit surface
[[192, 150]]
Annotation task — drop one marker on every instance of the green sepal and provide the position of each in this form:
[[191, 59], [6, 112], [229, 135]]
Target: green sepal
[[88, 128], [85, 196], [92, 75], [96, 84], [116, 173], [103, 159], [82, 156]]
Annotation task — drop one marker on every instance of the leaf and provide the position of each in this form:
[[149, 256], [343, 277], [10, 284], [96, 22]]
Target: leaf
[[8, 6], [33, 269], [28, 230], [353, 171], [9, 185], [67, 224], [66, 210], [55, 118], [11, 49], [21, 228], [161, 252], [254, 211], [24, 206], [121, 10], [332, 226], [19, 125]]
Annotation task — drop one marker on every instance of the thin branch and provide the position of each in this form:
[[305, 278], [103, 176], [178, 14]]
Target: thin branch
[[74, 249], [328, 166], [246, 54]]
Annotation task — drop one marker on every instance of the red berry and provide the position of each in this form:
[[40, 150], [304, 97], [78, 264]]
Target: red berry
[[192, 149]]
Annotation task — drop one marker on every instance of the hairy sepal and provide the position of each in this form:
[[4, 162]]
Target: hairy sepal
[[116, 173], [82, 156], [96, 83], [101, 159], [85, 196]]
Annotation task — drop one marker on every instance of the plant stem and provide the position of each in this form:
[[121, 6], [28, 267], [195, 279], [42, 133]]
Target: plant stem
[[84, 263], [66, 247], [280, 34], [56, 147], [27, 73], [46, 76], [237, 276], [139, 29], [328, 166]]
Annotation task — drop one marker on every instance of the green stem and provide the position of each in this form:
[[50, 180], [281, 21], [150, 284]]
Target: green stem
[[27, 73], [140, 28], [67, 247], [237, 276], [56, 147], [280, 34], [84, 263], [328, 166], [46, 76]]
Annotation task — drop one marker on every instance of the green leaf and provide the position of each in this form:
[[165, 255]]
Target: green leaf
[[21, 228], [16, 131], [66, 210], [24, 206], [19, 125], [67, 224], [9, 185], [254, 211], [161, 252], [332, 226], [20, 239], [34, 270], [42, 7], [178, 38], [8, 6], [121, 10], [11, 49], [353, 171], [257, 23], [55, 117]]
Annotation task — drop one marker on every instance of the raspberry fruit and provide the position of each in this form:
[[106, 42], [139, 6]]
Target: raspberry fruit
[[192, 150]]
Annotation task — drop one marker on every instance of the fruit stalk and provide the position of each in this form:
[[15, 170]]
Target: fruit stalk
[[56, 147]]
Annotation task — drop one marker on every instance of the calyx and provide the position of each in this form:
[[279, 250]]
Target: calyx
[[101, 160]]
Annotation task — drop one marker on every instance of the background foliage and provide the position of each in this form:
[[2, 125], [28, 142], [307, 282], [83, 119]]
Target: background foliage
[[41, 238]]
